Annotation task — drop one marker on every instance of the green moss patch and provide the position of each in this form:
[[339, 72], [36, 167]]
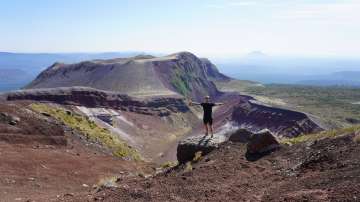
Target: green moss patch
[[321, 135], [181, 81], [90, 130], [169, 164]]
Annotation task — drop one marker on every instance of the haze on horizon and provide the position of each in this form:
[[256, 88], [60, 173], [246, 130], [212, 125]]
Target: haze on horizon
[[211, 28]]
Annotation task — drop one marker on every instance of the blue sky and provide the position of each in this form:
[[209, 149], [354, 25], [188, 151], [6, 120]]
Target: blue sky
[[214, 28]]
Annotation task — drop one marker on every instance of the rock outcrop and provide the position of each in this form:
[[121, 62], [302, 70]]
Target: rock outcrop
[[9, 119], [262, 142], [188, 147], [89, 97], [257, 144], [245, 112], [240, 135], [279, 121], [212, 72]]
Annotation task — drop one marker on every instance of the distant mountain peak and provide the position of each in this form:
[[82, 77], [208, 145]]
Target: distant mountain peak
[[183, 54], [143, 56], [56, 65], [257, 54]]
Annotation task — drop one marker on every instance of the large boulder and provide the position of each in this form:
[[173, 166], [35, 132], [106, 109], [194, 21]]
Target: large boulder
[[258, 144], [240, 135], [188, 147], [9, 119], [262, 142]]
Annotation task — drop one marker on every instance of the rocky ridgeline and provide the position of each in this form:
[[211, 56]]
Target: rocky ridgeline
[[258, 144], [282, 122], [89, 97], [245, 112]]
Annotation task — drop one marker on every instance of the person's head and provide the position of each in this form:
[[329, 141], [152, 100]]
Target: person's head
[[207, 98]]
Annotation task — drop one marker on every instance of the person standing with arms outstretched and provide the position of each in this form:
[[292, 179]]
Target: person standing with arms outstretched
[[207, 106]]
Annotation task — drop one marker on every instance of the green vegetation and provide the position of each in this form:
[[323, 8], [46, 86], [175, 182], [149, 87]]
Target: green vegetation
[[181, 81], [90, 130], [325, 134], [169, 164], [188, 167], [335, 106], [237, 85], [180, 85], [198, 156]]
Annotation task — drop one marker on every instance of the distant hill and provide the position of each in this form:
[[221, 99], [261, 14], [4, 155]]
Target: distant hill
[[12, 75], [31, 64], [13, 79], [342, 78], [256, 55], [268, 69], [143, 75]]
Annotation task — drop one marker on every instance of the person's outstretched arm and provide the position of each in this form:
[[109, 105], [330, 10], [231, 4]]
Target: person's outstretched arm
[[193, 103]]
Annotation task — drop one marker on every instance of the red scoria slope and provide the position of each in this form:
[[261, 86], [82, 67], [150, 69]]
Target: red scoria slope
[[326, 170], [40, 159]]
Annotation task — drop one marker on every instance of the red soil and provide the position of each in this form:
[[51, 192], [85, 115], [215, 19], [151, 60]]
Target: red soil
[[328, 170], [40, 162]]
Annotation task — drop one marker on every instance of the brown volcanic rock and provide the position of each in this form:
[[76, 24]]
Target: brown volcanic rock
[[187, 148], [259, 143], [279, 121], [6, 118], [240, 135], [212, 72], [262, 142], [89, 97], [245, 112]]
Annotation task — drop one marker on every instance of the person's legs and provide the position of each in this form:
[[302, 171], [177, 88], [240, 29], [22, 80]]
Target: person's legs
[[210, 122], [206, 129], [211, 129]]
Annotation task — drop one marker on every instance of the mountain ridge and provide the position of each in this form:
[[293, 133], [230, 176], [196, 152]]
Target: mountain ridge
[[182, 73]]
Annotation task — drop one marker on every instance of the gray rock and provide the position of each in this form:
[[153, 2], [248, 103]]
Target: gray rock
[[9, 119], [187, 148]]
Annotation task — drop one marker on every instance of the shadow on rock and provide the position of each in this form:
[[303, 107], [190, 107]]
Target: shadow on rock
[[261, 144]]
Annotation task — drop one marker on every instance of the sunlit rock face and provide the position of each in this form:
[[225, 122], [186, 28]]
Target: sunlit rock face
[[245, 112]]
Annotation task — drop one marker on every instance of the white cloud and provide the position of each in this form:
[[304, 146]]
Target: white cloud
[[242, 3], [231, 4], [215, 5], [333, 12]]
